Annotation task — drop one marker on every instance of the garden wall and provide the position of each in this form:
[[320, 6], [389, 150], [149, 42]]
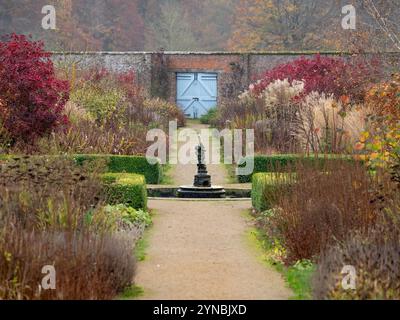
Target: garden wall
[[156, 71]]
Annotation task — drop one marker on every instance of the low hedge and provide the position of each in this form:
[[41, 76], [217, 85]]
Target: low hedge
[[126, 188], [119, 164], [265, 185], [272, 163], [127, 164]]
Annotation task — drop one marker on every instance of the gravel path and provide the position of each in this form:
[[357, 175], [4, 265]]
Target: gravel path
[[199, 250]]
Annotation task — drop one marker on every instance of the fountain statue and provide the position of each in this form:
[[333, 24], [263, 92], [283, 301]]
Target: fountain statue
[[202, 178], [201, 187]]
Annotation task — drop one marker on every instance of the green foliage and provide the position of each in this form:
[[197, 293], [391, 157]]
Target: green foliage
[[100, 103], [140, 249], [257, 192], [5, 138], [264, 185], [5, 157], [285, 162], [127, 164], [136, 216], [383, 145], [132, 292], [209, 117], [299, 278], [166, 178], [126, 188]]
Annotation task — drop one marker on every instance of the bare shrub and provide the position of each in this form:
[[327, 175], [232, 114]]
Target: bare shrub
[[88, 266], [108, 113], [161, 112], [86, 136], [51, 213], [119, 99], [234, 109], [322, 206], [376, 259], [46, 191], [245, 114]]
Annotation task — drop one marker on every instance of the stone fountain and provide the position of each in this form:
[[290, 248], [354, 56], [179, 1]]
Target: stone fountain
[[202, 187]]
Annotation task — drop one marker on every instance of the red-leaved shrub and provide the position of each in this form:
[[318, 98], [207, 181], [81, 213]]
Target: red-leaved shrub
[[339, 76], [32, 98]]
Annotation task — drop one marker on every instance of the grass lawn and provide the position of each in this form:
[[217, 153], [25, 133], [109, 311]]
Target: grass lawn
[[132, 292], [166, 178], [298, 277]]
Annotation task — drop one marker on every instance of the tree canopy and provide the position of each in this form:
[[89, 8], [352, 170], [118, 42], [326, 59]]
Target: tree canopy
[[122, 25]]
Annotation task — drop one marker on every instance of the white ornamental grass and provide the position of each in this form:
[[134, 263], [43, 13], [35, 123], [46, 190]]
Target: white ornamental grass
[[282, 92]]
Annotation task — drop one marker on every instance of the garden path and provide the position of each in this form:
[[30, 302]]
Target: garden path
[[201, 249]]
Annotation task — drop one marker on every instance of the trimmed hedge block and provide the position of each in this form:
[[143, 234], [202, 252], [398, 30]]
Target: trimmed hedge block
[[126, 188], [127, 164], [265, 185], [278, 162]]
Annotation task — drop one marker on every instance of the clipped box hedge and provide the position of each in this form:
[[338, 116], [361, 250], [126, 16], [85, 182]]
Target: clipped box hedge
[[126, 188], [119, 164], [275, 162], [127, 164], [265, 185]]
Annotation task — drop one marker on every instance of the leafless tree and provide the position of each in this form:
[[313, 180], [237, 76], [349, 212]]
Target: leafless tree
[[386, 14]]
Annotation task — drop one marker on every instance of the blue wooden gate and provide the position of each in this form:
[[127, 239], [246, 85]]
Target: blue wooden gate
[[196, 93]]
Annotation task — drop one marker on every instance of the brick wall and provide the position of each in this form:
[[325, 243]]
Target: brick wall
[[156, 72]]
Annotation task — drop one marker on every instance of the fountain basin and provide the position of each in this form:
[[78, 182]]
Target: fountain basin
[[201, 192]]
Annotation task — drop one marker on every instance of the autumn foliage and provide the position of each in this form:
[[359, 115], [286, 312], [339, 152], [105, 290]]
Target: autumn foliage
[[384, 98], [381, 140], [32, 98], [337, 76]]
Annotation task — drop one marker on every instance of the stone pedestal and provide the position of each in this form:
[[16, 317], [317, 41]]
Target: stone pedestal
[[201, 187], [202, 180]]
